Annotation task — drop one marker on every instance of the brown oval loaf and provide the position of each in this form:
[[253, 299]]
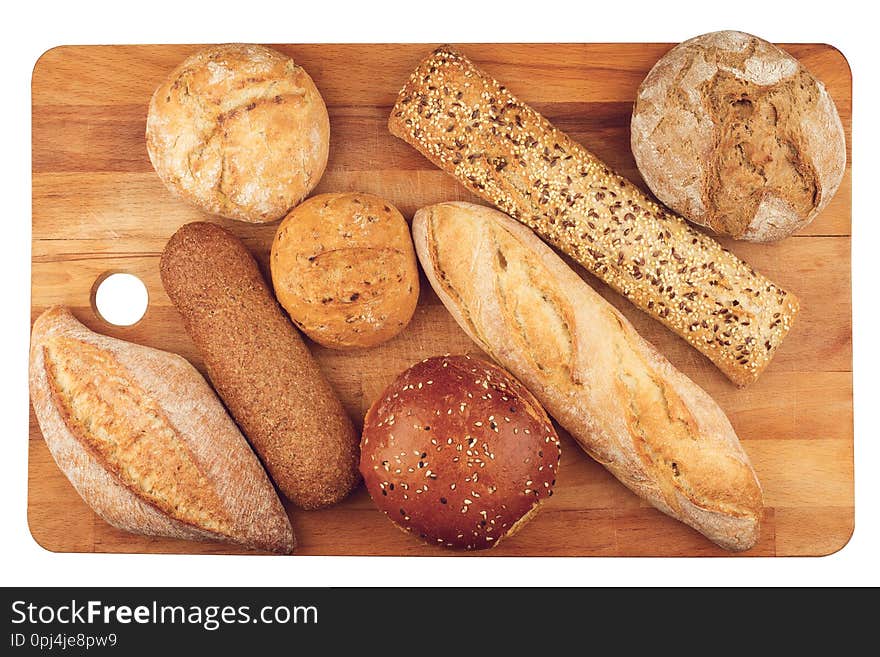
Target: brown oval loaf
[[145, 441], [260, 366], [344, 269], [619, 398], [459, 453], [734, 134], [239, 131]]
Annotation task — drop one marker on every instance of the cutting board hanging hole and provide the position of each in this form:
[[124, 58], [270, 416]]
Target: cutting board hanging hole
[[120, 298]]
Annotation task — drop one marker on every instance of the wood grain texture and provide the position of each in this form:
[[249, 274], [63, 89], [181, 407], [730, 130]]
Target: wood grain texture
[[99, 207]]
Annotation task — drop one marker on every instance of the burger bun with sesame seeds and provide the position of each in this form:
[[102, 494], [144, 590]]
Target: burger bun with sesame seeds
[[457, 452]]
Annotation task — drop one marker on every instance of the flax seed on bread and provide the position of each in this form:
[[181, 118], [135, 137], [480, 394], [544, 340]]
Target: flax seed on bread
[[472, 127]]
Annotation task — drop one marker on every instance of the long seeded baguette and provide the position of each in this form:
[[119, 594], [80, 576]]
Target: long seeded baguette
[[145, 441], [620, 399], [472, 127], [260, 366]]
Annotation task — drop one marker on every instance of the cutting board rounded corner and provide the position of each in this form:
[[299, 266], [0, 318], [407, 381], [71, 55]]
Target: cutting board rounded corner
[[843, 540], [40, 61]]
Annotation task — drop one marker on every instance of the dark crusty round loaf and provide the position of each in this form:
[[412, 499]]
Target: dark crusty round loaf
[[260, 366], [240, 131], [734, 134], [344, 269], [459, 453]]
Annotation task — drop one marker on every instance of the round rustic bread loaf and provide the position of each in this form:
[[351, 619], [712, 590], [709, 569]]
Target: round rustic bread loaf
[[239, 131], [459, 453], [344, 268], [734, 134]]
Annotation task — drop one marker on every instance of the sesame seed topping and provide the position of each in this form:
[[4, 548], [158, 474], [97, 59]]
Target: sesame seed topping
[[475, 129]]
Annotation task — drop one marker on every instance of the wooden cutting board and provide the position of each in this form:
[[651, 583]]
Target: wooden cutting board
[[98, 207]]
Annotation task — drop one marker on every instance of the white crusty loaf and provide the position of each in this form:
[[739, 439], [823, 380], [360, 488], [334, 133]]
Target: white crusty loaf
[[736, 135], [620, 399], [145, 441], [239, 130], [471, 126]]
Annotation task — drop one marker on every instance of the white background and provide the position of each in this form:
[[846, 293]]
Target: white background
[[37, 26]]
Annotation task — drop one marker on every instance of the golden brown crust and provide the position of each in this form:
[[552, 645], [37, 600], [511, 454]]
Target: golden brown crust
[[459, 453], [260, 366], [145, 442], [127, 431], [652, 427], [472, 127], [733, 133], [344, 269], [240, 131]]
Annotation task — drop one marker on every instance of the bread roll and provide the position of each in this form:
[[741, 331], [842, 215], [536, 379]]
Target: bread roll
[[500, 148], [651, 426], [344, 269], [239, 131], [459, 453], [734, 134], [145, 442], [259, 365]]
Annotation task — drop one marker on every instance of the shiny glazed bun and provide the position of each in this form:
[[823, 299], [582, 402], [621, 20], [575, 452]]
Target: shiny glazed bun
[[458, 452]]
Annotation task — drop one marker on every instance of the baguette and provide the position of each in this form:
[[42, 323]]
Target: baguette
[[654, 429], [145, 441], [260, 366], [472, 127]]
